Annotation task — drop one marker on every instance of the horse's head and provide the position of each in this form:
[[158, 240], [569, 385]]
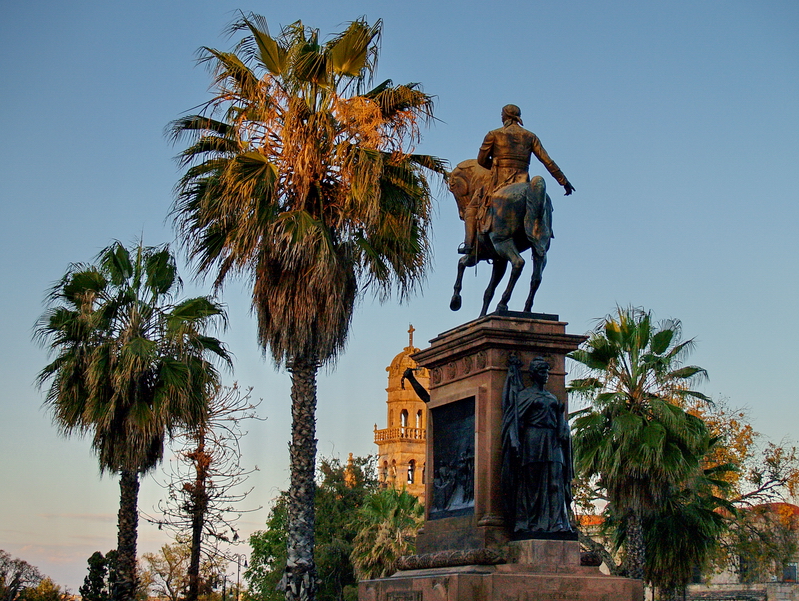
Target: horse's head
[[466, 179]]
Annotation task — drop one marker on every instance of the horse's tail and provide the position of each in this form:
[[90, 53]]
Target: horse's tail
[[538, 216]]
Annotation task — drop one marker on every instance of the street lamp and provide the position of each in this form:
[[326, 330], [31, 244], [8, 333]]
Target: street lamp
[[240, 557]]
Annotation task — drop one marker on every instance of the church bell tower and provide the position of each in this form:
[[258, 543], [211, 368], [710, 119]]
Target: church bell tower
[[402, 444]]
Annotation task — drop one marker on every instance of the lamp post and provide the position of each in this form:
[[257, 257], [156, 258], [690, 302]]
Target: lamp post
[[240, 557]]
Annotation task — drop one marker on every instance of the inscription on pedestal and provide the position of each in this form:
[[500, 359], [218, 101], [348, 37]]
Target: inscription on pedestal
[[453, 459], [404, 596]]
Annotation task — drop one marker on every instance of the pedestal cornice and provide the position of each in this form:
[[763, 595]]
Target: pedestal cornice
[[471, 348]]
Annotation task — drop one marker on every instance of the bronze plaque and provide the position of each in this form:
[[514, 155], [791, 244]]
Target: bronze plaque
[[453, 459]]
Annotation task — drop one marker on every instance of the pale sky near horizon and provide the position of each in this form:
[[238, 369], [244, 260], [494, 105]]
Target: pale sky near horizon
[[677, 122]]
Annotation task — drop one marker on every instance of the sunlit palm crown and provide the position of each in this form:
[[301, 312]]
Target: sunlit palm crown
[[130, 363], [306, 181]]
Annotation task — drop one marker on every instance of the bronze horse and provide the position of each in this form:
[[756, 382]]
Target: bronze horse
[[519, 217]]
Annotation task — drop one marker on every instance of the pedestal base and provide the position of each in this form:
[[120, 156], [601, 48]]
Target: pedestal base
[[491, 584], [537, 571]]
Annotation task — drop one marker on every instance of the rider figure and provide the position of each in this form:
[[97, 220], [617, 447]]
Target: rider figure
[[506, 153]]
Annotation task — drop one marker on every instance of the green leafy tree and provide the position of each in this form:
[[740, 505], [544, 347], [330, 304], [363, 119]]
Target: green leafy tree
[[16, 575], [388, 522], [99, 582], [763, 539], [268, 555], [45, 590], [131, 365], [761, 534], [303, 178], [342, 490], [635, 437], [167, 572], [732, 514]]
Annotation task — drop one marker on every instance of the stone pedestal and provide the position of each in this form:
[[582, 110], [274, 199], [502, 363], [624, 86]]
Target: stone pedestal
[[504, 582], [468, 365], [465, 551]]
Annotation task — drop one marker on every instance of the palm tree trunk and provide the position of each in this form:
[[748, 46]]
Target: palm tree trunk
[[635, 550], [299, 579], [127, 524]]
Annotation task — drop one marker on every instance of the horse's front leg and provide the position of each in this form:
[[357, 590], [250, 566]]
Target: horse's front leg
[[538, 271], [455, 302], [507, 249], [497, 271]]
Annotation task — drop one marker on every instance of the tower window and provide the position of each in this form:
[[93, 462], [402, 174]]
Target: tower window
[[411, 471]]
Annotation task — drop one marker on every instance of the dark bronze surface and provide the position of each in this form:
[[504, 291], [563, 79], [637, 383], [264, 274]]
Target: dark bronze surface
[[453, 459], [536, 454], [420, 390], [505, 212]]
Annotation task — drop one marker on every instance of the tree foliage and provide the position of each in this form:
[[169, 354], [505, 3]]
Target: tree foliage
[[766, 471], [45, 590], [167, 572], [762, 529], [16, 575], [131, 365], [683, 534], [100, 582], [388, 522], [342, 490], [720, 501], [302, 176], [635, 438], [761, 541]]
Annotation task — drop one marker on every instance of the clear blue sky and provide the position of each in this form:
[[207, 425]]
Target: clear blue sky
[[677, 122]]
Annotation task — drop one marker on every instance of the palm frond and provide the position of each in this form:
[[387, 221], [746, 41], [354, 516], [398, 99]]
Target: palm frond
[[117, 357]]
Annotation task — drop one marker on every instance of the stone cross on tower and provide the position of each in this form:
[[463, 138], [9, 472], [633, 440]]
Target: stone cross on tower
[[411, 330]]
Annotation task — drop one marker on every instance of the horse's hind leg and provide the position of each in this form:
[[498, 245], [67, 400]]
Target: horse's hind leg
[[538, 271], [497, 271], [507, 250]]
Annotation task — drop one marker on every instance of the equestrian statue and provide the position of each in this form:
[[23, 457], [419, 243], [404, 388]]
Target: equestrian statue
[[505, 212]]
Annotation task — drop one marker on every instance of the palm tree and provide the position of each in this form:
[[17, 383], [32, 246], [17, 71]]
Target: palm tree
[[130, 366], [389, 520], [685, 529], [636, 438], [303, 180]]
